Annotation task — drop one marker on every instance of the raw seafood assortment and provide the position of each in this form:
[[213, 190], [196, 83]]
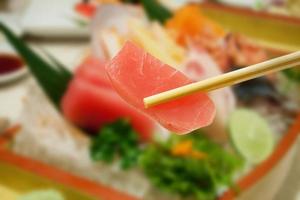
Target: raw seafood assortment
[[140, 50]]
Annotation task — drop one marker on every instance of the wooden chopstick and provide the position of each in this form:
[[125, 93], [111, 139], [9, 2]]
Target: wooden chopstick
[[228, 79]]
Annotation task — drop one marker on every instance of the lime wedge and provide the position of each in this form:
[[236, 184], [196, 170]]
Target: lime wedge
[[251, 135]]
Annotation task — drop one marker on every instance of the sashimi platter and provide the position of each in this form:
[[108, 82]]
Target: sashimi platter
[[93, 122]]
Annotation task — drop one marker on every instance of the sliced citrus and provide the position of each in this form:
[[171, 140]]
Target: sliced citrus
[[251, 135]]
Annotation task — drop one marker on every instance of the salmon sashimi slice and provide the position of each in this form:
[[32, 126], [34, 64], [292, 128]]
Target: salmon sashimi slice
[[135, 74]]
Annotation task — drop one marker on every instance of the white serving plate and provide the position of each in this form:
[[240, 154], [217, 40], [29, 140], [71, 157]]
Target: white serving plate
[[52, 18]]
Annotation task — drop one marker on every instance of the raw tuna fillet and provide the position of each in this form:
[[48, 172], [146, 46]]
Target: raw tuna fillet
[[136, 74], [93, 71], [91, 101]]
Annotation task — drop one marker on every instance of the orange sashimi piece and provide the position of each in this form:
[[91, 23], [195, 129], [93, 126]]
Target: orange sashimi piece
[[188, 23]]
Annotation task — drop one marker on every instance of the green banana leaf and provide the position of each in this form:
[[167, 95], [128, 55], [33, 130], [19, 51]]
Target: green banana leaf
[[53, 77]]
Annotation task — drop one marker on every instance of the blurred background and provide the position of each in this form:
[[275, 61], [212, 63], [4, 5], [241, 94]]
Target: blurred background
[[62, 136]]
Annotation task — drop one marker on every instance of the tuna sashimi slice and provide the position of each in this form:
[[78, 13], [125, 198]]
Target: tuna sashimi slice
[[91, 102], [93, 71], [135, 74]]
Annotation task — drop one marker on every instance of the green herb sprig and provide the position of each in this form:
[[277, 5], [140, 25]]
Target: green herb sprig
[[187, 176], [116, 139]]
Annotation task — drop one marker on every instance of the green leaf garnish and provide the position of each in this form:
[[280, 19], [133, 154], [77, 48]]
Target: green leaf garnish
[[293, 74], [188, 176], [116, 139], [53, 78], [156, 11]]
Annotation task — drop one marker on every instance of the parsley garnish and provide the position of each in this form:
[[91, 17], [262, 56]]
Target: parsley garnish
[[116, 139]]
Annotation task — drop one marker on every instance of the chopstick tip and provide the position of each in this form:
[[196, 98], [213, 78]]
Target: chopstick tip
[[146, 104]]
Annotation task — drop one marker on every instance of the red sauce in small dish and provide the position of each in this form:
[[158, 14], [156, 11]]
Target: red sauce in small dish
[[10, 63]]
